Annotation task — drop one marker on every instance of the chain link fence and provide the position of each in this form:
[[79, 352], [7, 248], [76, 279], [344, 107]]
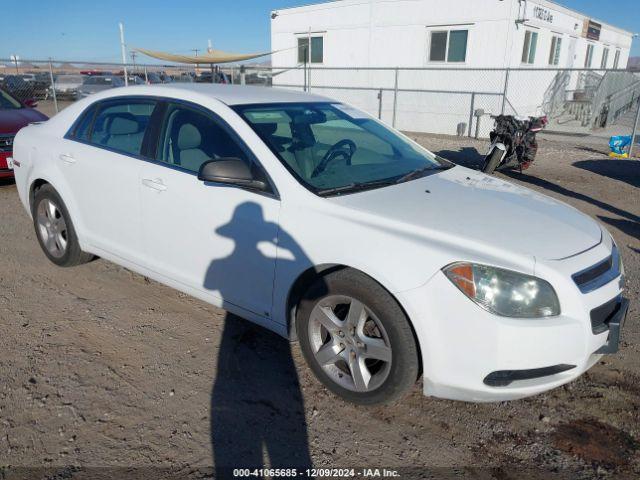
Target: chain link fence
[[584, 105]]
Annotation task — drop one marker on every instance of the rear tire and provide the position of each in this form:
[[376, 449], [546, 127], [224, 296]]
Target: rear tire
[[492, 160], [54, 229], [356, 339]]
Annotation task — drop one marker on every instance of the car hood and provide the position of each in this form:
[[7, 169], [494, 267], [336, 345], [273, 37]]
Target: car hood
[[13, 120], [473, 207]]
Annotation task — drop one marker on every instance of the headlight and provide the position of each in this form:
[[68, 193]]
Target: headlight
[[504, 292]]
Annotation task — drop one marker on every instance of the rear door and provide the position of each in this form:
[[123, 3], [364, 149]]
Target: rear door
[[101, 160], [218, 239]]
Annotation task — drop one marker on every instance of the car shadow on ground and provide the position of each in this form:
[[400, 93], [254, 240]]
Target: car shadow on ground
[[629, 227], [630, 223], [627, 171], [467, 157], [257, 409]]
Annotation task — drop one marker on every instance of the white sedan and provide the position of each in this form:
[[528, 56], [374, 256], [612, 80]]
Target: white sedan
[[319, 222]]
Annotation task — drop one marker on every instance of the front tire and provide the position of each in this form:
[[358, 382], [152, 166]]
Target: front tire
[[356, 339], [54, 229], [492, 160]]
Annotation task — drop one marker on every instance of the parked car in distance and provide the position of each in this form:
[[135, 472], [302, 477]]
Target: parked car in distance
[[134, 80], [13, 116], [19, 88], [95, 72], [41, 83], [165, 77], [28, 77], [151, 78], [319, 222], [67, 86], [99, 83], [184, 77], [215, 77]]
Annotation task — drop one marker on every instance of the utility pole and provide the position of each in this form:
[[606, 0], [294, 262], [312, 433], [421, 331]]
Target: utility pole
[[133, 59], [15, 61], [210, 51], [196, 50], [123, 50]]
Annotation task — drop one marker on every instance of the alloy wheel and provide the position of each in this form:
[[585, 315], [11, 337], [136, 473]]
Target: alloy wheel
[[52, 228], [350, 343]]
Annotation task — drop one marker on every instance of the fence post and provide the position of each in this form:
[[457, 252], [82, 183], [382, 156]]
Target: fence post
[[305, 69], [53, 87], [146, 75], [635, 129], [504, 92], [124, 55], [395, 98], [471, 110], [380, 104]]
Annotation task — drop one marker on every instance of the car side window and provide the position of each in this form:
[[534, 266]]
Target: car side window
[[190, 137], [83, 127], [121, 125]]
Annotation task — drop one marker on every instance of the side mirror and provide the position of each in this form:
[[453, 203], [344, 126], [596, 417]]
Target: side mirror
[[30, 103], [230, 171]]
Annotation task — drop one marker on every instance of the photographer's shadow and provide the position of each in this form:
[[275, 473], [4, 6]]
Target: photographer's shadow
[[257, 410]]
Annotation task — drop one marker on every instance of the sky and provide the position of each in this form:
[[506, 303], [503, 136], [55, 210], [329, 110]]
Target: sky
[[88, 30]]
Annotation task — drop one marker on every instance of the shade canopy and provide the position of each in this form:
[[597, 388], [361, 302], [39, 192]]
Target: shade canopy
[[210, 57]]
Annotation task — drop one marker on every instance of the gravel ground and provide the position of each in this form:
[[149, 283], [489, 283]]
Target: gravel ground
[[101, 367]]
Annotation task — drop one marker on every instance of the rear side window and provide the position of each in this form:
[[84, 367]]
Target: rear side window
[[83, 127], [121, 126]]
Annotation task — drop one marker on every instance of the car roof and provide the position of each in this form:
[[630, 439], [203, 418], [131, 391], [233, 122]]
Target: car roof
[[229, 94]]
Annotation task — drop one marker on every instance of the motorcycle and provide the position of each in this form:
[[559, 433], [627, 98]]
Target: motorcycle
[[513, 143]]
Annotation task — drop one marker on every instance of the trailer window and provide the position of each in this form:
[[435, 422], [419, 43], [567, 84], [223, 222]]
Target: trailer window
[[448, 45], [530, 46], [554, 53], [315, 52]]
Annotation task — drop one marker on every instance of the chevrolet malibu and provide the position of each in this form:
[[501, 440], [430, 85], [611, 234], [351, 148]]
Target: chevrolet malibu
[[317, 221]]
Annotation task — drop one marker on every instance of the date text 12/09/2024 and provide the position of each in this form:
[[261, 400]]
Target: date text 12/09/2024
[[316, 472]]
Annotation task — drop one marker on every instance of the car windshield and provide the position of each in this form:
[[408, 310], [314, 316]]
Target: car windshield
[[334, 149], [7, 102]]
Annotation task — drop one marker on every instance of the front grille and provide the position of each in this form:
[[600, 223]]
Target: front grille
[[593, 272], [6, 143], [599, 274], [601, 315]]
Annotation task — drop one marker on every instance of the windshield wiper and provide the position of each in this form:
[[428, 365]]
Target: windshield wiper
[[360, 186], [421, 171], [355, 187]]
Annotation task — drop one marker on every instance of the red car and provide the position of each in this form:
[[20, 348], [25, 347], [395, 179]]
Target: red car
[[13, 116]]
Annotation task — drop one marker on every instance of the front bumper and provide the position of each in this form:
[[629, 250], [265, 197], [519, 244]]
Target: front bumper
[[615, 328], [462, 345]]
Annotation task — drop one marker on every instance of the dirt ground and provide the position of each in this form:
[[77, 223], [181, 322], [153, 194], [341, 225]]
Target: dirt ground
[[100, 367]]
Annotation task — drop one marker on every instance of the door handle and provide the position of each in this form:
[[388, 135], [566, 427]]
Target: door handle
[[67, 158], [154, 184]]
